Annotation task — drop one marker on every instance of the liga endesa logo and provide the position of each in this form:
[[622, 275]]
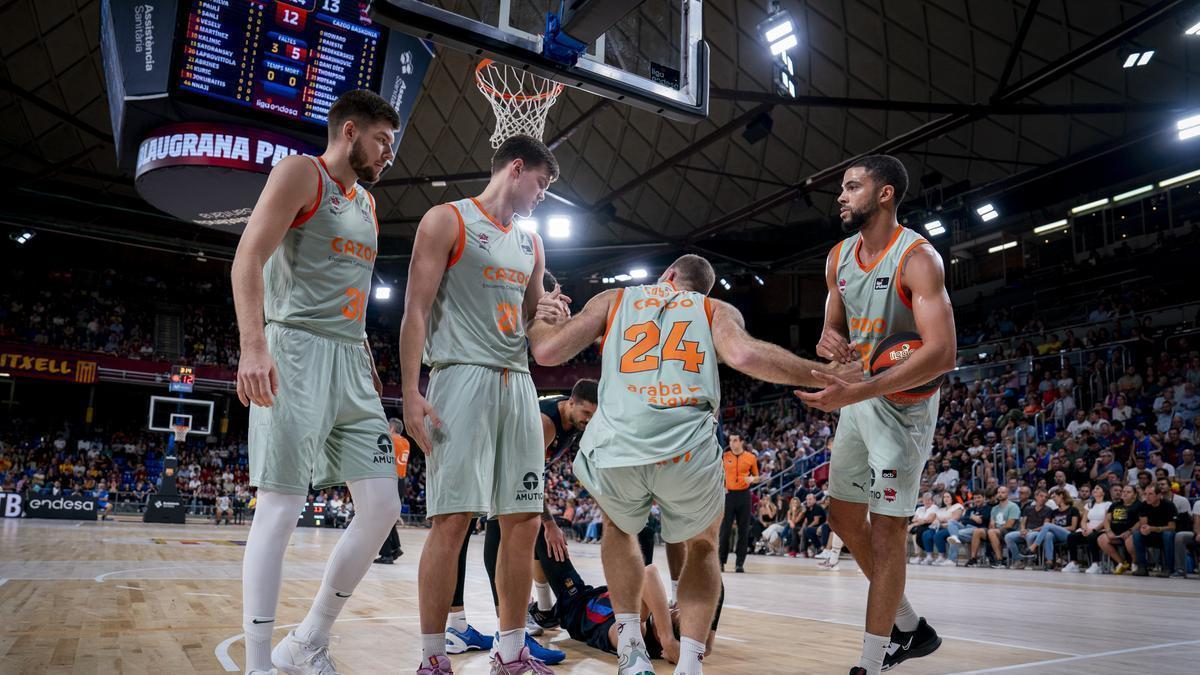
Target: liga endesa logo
[[63, 504]]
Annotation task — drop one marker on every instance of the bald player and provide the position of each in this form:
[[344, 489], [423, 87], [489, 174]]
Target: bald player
[[301, 278], [654, 434]]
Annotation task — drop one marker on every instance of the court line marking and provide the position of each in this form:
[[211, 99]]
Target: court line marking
[[1080, 657], [731, 639], [855, 624], [212, 595], [132, 588], [221, 651], [100, 578], [3, 581]]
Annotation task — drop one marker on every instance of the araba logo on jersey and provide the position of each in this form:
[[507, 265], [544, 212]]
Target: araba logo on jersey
[[505, 274], [666, 395], [655, 302], [897, 355]]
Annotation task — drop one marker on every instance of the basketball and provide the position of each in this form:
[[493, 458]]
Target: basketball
[[893, 350]]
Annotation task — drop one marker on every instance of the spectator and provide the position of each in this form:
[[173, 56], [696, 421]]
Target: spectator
[[948, 513], [1155, 529], [1118, 529], [1185, 541], [815, 529], [948, 478], [1004, 518], [1062, 523], [1033, 518], [1095, 506], [925, 518], [974, 519]]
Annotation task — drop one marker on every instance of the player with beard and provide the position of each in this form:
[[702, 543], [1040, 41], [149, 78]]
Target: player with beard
[[884, 279], [301, 278]]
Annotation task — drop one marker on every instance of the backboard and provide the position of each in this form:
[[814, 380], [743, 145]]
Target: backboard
[[649, 53], [166, 411]]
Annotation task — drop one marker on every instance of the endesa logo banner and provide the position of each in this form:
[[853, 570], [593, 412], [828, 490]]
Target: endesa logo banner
[[61, 507]]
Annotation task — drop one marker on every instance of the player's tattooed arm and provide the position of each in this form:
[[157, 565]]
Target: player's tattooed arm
[[756, 358], [554, 344]]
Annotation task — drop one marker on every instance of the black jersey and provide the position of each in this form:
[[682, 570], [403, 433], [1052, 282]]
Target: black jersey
[[564, 441]]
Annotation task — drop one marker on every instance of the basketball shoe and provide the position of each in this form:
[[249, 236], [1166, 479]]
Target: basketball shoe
[[439, 665], [544, 654], [458, 642], [921, 642], [635, 661], [293, 656], [544, 619], [525, 664]]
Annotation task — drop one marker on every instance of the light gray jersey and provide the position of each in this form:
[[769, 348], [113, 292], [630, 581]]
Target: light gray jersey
[[659, 389], [477, 315], [319, 277]]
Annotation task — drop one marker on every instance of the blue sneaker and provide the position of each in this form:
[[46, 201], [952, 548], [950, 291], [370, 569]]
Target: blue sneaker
[[466, 641], [546, 655]]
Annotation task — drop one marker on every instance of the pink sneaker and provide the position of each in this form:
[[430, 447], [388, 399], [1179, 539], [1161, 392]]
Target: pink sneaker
[[524, 665], [439, 665]]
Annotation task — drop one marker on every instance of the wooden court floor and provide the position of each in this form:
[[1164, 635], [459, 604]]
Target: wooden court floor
[[124, 597]]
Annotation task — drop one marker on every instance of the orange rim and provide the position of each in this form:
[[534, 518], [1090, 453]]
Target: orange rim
[[490, 91]]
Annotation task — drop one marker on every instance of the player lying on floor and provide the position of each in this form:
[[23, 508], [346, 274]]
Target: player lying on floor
[[587, 615]]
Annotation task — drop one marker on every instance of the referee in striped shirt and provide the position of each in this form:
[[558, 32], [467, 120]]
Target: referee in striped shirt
[[741, 471]]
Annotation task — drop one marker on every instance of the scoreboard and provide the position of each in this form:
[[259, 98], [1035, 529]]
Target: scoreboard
[[183, 379], [282, 58]]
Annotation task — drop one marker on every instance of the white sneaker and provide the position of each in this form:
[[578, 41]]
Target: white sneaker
[[953, 539], [915, 560], [823, 555], [263, 672], [296, 657], [829, 564], [635, 662], [1071, 567], [927, 560], [532, 626], [945, 562], [1094, 568]]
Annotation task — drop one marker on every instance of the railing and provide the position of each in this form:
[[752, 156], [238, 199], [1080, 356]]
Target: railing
[[777, 482]]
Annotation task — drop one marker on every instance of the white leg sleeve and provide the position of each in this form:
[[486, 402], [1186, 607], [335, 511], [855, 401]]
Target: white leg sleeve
[[275, 519]]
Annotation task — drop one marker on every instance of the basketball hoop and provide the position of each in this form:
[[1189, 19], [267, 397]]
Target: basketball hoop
[[520, 99], [180, 431]]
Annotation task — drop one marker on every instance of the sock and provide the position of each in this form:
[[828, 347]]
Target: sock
[[691, 657], [543, 596], [457, 620], [433, 645], [906, 618], [324, 611], [258, 641], [629, 628], [874, 647], [674, 591], [510, 643]]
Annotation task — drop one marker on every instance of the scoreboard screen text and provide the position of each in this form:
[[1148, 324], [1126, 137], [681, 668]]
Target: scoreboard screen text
[[287, 58], [183, 379]]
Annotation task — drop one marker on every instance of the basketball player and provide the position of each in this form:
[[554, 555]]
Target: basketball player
[[563, 419], [653, 436], [474, 282], [301, 278], [391, 546], [883, 279]]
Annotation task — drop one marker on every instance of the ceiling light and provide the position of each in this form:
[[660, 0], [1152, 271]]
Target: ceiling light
[[22, 238], [1194, 30], [1002, 247], [383, 292], [1181, 178], [622, 277], [1090, 206], [1188, 127], [1133, 193], [935, 228], [778, 31], [987, 212], [608, 280], [1138, 59], [558, 227], [528, 224], [984, 209], [438, 183], [1050, 227], [638, 273], [759, 280]]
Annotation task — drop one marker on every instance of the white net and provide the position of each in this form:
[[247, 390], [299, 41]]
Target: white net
[[180, 431], [520, 99]]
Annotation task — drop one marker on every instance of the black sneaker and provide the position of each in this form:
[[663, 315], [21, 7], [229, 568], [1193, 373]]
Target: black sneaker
[[1141, 571], [739, 570], [383, 560], [921, 642], [971, 563], [545, 619]]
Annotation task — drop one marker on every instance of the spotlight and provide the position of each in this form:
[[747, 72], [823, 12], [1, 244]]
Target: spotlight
[[1189, 127], [558, 227], [622, 277], [759, 280], [528, 224], [438, 183], [987, 212], [778, 31], [638, 273], [1138, 59], [1194, 30], [1051, 227], [935, 228], [1181, 178], [785, 75], [1132, 193], [22, 238], [383, 292], [1090, 206], [1002, 247]]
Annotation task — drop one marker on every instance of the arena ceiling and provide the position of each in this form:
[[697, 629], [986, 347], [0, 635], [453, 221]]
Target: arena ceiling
[[975, 97]]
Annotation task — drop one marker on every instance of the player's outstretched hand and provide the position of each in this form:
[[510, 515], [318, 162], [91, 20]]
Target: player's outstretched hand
[[553, 307], [417, 408], [257, 379], [556, 542], [834, 347], [850, 372], [837, 393]]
